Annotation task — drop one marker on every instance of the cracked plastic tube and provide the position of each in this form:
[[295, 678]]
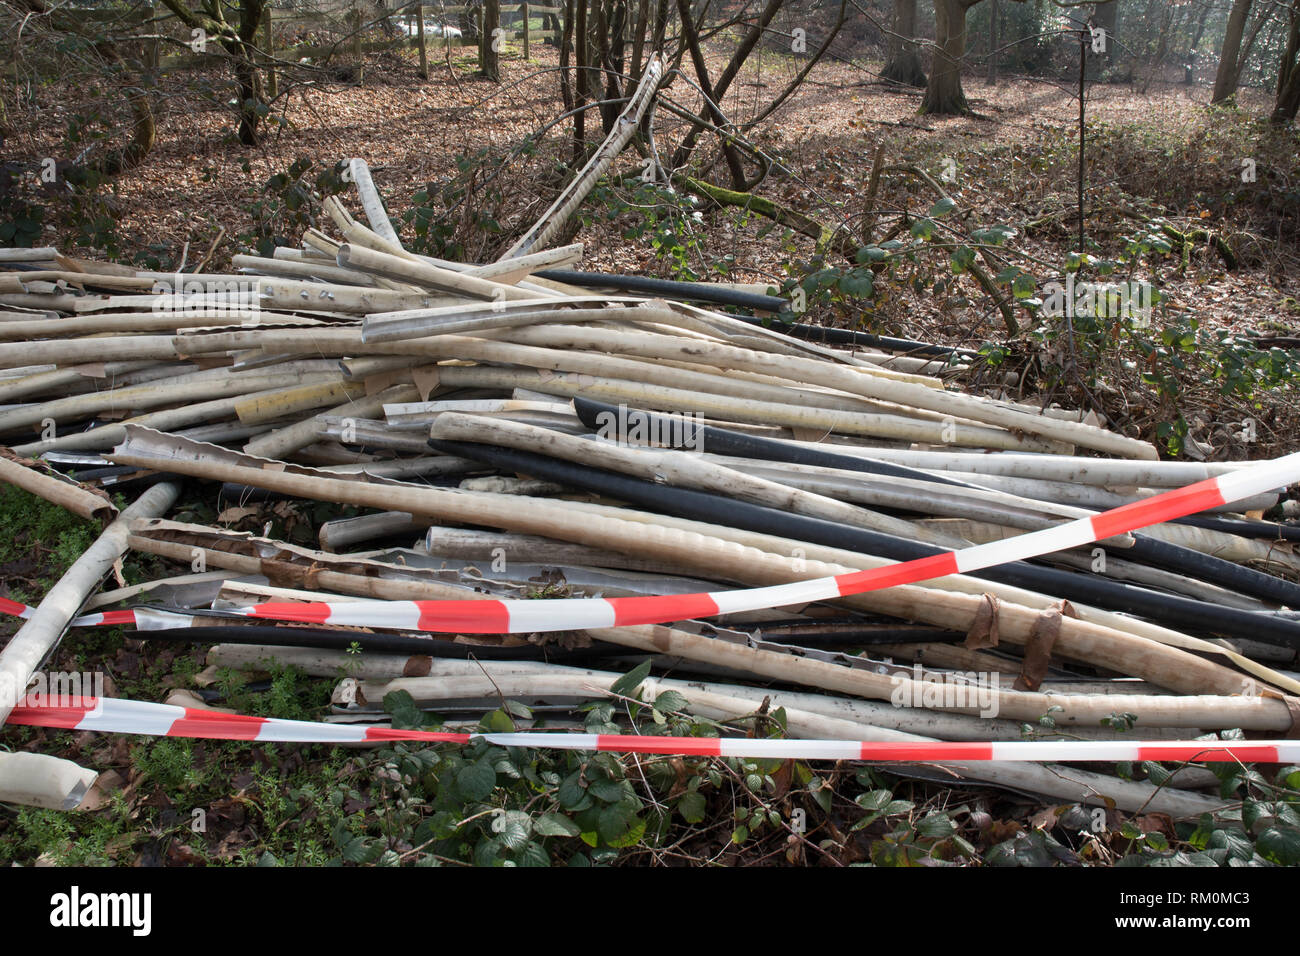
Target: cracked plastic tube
[[467, 545], [457, 284], [726, 407], [1093, 497], [80, 351], [857, 382], [1158, 664], [571, 197], [370, 200], [285, 441], [471, 317], [380, 667], [172, 392], [288, 294], [39, 780], [57, 380], [440, 683], [1090, 471], [340, 533], [308, 269], [43, 629], [912, 495], [106, 436], [63, 492]]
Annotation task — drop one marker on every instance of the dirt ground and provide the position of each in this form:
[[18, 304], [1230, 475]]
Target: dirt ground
[[411, 131], [1158, 153]]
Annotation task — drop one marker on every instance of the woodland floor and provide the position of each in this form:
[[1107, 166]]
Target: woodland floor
[[1154, 153]]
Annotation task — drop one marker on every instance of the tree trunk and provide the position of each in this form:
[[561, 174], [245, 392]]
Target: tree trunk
[[1106, 16], [993, 44], [580, 76], [611, 28], [1225, 80], [1263, 16], [249, 85], [488, 44], [943, 94], [248, 78], [1189, 64], [1288, 74], [1167, 25], [639, 28], [716, 92], [566, 54], [902, 60]]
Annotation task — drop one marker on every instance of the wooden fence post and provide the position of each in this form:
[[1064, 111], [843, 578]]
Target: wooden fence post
[[424, 53], [527, 21]]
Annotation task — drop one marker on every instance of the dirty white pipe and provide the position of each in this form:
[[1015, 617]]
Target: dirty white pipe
[[1060, 782], [65, 493], [1161, 665], [39, 780], [41, 632], [571, 197], [285, 441], [168, 392], [856, 382], [65, 352], [726, 407]]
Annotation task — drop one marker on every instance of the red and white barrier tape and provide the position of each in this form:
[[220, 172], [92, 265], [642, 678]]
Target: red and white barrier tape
[[111, 715], [565, 614]]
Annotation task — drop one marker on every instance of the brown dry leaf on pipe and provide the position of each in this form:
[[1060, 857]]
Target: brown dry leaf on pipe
[[1038, 649], [984, 628]]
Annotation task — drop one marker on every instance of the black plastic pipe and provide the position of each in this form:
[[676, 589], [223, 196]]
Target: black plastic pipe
[[1186, 613], [1260, 530], [723, 441], [1162, 554], [335, 640], [717, 295], [689, 291], [850, 635], [1207, 567]]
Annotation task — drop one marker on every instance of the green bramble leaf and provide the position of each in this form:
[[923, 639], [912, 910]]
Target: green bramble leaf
[[626, 685]]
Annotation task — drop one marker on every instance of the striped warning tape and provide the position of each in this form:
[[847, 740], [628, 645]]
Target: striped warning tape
[[564, 614], [527, 616], [111, 715]]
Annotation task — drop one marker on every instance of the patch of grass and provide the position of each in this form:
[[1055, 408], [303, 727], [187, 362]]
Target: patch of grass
[[34, 529]]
